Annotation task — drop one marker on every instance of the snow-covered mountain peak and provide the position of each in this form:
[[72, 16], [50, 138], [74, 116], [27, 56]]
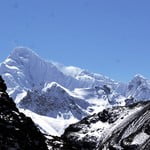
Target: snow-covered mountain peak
[[137, 81], [24, 57], [139, 77], [50, 86], [139, 88], [55, 88], [22, 52], [24, 69]]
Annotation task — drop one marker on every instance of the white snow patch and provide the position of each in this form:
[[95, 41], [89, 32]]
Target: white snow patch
[[140, 138], [20, 96], [52, 126]]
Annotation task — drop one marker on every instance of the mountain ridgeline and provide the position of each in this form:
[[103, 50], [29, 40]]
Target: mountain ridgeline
[[24, 70]]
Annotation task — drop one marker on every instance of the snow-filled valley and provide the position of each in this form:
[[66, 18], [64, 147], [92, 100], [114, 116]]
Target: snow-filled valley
[[55, 96]]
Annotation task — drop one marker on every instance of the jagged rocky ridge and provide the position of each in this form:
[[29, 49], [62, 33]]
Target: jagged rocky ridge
[[118, 128], [17, 132], [54, 101]]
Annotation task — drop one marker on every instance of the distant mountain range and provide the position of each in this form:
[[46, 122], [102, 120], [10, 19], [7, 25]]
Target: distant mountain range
[[61, 95]]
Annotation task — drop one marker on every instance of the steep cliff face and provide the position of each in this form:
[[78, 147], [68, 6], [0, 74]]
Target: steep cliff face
[[17, 132], [119, 128]]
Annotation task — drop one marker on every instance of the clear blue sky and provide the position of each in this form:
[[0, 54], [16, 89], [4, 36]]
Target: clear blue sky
[[111, 37]]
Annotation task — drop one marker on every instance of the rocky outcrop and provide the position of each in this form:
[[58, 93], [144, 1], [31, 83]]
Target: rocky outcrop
[[53, 101], [17, 132], [118, 128]]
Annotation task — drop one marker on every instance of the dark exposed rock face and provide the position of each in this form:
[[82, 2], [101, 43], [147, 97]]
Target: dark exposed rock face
[[133, 134], [54, 100], [118, 128], [17, 132]]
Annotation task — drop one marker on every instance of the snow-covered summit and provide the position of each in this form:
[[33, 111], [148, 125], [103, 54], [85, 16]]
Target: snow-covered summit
[[52, 86], [139, 88], [24, 69], [138, 80], [22, 52]]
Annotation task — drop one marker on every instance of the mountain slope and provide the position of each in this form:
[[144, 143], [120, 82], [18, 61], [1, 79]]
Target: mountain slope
[[54, 101], [119, 128], [63, 106], [52, 104]]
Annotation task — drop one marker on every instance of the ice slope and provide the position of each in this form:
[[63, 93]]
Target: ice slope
[[49, 125]]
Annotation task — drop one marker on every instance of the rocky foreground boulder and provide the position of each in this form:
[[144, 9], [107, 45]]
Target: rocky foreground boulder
[[17, 132]]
